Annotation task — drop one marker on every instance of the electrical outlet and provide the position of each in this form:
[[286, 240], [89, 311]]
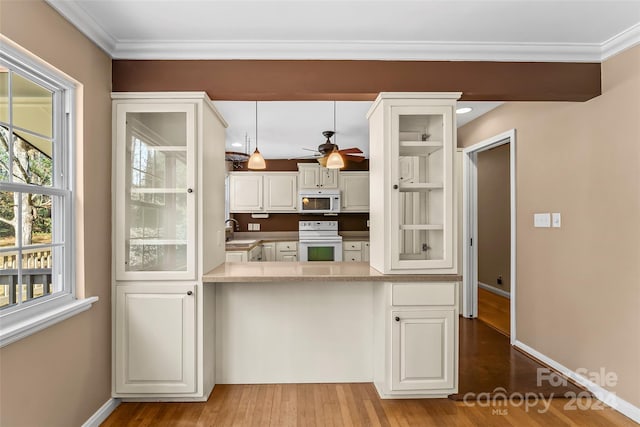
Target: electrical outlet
[[556, 220]]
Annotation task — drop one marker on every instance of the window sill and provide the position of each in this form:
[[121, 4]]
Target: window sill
[[43, 320]]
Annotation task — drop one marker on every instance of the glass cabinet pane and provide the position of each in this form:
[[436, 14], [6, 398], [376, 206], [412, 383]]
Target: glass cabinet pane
[[156, 214], [421, 209]]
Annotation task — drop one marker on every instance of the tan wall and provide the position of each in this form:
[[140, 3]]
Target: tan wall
[[62, 375], [494, 227], [578, 290]]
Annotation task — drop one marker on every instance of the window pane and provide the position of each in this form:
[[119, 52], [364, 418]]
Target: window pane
[[32, 159], [4, 95], [4, 153], [8, 206], [32, 106]]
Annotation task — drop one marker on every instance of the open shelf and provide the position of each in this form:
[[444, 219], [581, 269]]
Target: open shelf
[[419, 148], [422, 186], [418, 227]]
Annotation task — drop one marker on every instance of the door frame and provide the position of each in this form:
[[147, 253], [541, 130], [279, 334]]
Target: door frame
[[470, 224]]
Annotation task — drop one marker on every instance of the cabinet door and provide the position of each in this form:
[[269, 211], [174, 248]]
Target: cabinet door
[[288, 257], [281, 192], [268, 252], [236, 256], [365, 252], [308, 175], [245, 192], [155, 339], [354, 187], [423, 345], [422, 192], [328, 178], [255, 254], [155, 194], [352, 256]]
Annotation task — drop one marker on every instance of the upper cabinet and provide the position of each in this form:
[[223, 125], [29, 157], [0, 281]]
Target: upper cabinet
[[263, 191], [413, 137], [314, 176], [354, 188]]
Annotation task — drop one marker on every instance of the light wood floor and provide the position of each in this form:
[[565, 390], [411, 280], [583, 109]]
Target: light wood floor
[[494, 310], [347, 405]]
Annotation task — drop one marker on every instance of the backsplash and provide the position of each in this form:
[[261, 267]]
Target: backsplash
[[289, 221]]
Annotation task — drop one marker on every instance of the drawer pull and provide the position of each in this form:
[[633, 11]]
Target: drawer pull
[[189, 293], [397, 319]]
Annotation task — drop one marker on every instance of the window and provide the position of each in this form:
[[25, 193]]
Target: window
[[36, 196]]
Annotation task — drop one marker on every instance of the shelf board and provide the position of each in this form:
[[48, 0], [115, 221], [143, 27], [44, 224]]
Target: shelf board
[[158, 242], [159, 190], [419, 227], [423, 186], [419, 148]]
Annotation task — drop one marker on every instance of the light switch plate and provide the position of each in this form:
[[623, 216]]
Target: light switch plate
[[556, 220], [542, 220]]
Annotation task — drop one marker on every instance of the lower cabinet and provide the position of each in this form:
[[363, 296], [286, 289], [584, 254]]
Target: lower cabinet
[[416, 339], [355, 251], [236, 256], [269, 251], [287, 251], [155, 339]]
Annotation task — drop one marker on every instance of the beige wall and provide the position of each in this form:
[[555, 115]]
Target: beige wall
[[494, 227], [578, 287], [62, 375]]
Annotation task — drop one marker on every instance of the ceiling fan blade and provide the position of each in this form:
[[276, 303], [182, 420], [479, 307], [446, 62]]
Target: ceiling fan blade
[[309, 149], [357, 159], [351, 150]]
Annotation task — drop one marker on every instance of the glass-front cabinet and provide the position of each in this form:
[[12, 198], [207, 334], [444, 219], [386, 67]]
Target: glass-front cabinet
[[155, 229], [412, 146]]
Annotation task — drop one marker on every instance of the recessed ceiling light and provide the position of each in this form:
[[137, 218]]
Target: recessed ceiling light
[[464, 110], [236, 144]]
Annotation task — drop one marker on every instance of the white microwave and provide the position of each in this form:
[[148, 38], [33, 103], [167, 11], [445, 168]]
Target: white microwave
[[319, 201]]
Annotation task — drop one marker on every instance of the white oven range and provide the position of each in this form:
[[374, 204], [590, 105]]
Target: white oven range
[[319, 241]]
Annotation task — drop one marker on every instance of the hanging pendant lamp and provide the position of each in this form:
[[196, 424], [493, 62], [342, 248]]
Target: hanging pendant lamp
[[256, 161], [335, 160]]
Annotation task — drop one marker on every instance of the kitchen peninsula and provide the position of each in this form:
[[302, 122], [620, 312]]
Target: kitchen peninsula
[[302, 322]]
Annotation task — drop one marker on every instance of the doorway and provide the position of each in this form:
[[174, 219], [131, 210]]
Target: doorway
[[493, 293]]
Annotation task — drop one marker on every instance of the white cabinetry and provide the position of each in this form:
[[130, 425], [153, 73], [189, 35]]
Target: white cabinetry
[[162, 333], [416, 339], [314, 176], [354, 188], [263, 192], [412, 141], [268, 251], [155, 346], [287, 251], [280, 191], [236, 256], [245, 192], [355, 251], [255, 254]]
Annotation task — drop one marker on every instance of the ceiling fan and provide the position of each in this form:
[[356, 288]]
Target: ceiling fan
[[352, 154]]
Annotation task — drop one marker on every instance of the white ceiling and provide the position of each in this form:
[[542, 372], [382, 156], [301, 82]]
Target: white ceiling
[[524, 30], [287, 128]]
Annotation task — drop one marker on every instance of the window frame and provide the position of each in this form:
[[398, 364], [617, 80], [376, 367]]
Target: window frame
[[29, 317]]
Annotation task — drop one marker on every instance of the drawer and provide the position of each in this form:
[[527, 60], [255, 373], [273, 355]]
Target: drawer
[[352, 256], [424, 293], [286, 246], [352, 246]]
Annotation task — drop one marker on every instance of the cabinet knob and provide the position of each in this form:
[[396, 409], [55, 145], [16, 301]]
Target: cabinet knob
[[189, 190], [189, 293], [395, 186], [397, 319]]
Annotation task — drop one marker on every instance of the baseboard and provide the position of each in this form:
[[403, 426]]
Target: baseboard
[[602, 394], [102, 414], [494, 290]]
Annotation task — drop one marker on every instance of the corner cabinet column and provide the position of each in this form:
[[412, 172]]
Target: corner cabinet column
[[412, 142], [166, 147]]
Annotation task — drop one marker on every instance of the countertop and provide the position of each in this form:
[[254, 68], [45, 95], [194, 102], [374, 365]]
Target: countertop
[[325, 271]]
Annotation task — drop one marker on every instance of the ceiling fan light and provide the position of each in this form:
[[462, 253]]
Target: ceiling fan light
[[335, 160], [256, 161]]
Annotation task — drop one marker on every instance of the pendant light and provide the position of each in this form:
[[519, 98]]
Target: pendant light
[[335, 160], [256, 161]]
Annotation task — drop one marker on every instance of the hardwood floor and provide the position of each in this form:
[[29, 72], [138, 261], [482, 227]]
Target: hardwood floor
[[494, 310], [487, 361], [349, 405]]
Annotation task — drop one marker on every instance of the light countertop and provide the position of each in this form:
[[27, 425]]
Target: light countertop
[[326, 271]]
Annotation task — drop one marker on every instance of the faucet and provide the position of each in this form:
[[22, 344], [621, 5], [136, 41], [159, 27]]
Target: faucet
[[237, 227]]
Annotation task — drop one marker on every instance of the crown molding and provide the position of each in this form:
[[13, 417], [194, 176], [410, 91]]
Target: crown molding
[[357, 50], [620, 42], [84, 22]]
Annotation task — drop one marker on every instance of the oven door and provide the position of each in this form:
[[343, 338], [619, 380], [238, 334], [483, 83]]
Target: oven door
[[320, 250]]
